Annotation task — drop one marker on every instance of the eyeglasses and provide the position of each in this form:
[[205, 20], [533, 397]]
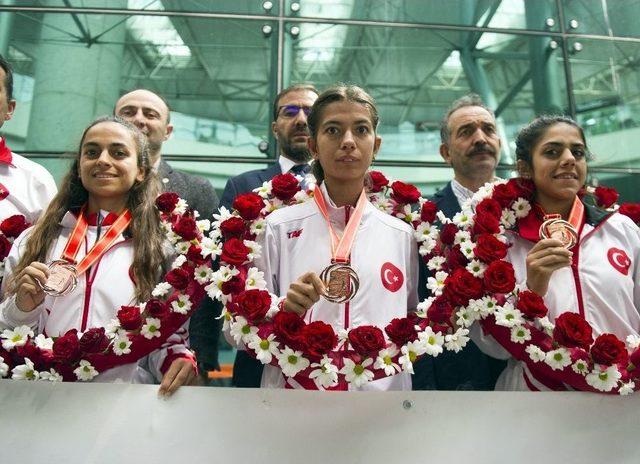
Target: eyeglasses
[[291, 111]]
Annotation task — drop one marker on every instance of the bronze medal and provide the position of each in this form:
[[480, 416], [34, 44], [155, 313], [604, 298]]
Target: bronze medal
[[63, 278], [559, 229], [341, 282]]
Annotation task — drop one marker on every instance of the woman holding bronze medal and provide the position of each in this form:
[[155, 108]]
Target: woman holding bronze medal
[[337, 258], [98, 246], [579, 258]]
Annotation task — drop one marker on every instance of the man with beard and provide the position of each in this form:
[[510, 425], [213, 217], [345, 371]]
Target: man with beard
[[290, 110], [150, 113], [471, 146], [25, 187]]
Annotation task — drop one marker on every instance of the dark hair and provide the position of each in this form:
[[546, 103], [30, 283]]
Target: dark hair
[[340, 92], [471, 99], [145, 227], [164, 100], [292, 88], [8, 77], [530, 135]]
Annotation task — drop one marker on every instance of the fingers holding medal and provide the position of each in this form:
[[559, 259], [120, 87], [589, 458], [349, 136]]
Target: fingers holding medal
[[304, 293], [29, 292]]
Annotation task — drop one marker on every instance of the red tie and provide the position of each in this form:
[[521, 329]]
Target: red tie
[[5, 153]]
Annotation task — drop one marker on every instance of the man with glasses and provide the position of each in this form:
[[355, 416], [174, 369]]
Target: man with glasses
[[290, 110]]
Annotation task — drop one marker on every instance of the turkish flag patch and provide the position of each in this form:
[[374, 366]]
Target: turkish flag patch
[[619, 260], [392, 277]]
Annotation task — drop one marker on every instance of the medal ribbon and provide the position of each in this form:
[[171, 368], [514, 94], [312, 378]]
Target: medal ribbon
[[341, 247], [100, 247], [576, 215]]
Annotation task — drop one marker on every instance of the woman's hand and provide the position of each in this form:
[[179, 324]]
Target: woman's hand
[[180, 372], [546, 257], [29, 293], [304, 293]]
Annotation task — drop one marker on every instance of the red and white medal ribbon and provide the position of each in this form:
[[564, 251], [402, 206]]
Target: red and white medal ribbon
[[567, 230]]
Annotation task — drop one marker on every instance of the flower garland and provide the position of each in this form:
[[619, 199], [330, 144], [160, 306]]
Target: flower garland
[[313, 354], [136, 331], [10, 228], [474, 282]]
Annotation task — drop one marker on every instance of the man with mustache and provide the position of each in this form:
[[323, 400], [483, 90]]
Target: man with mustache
[[290, 110], [150, 113], [471, 146]]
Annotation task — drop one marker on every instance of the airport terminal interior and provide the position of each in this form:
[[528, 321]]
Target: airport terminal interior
[[219, 63]]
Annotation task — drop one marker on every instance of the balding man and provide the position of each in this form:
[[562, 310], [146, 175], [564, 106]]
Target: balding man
[[151, 114]]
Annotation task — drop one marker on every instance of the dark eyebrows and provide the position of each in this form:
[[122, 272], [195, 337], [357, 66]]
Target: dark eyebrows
[[111, 145], [339, 123]]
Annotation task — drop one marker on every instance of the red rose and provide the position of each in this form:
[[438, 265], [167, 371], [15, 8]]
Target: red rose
[[194, 254], [504, 194], [489, 248], [606, 196], [428, 211], [167, 202], [608, 350], [404, 193], [234, 285], [489, 207], [319, 339], [461, 286], [253, 304], [31, 351], [156, 308], [179, 277], [288, 328], [632, 210], [401, 331], [14, 225], [94, 341], [572, 330], [232, 227], [634, 359], [455, 258], [531, 304], [186, 228], [440, 311], [285, 186], [378, 181], [499, 277], [235, 252], [130, 318], [248, 205], [523, 188], [67, 347], [5, 247], [367, 340], [486, 224], [448, 233]]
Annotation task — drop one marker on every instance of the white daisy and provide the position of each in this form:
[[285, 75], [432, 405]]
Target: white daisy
[[203, 225], [435, 263], [545, 324], [423, 307], [508, 218], [521, 208], [257, 227], [85, 371], [385, 361], [181, 207], [325, 375], [488, 306], [558, 359], [508, 316], [466, 316], [151, 328], [627, 388], [25, 371], [467, 250], [254, 249], [43, 342], [462, 236], [16, 337], [580, 367], [432, 341], [410, 352], [264, 190], [442, 219], [425, 230], [476, 267], [302, 196], [291, 362], [603, 379], [4, 368], [179, 261], [203, 274], [265, 348], [357, 374], [462, 218], [436, 284], [457, 341], [51, 375], [255, 279], [633, 342], [121, 345], [161, 289], [520, 334], [535, 353], [210, 247], [427, 246], [182, 305]]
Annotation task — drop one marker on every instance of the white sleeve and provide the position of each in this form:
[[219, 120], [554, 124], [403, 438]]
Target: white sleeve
[[636, 268], [268, 261], [487, 344], [176, 346]]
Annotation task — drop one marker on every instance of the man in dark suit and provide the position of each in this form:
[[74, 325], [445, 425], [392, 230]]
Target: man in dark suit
[[290, 110], [150, 113], [471, 145]]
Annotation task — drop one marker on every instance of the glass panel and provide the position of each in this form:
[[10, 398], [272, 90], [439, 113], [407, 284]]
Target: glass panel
[[415, 74], [605, 17], [606, 87], [215, 74], [195, 6], [508, 14]]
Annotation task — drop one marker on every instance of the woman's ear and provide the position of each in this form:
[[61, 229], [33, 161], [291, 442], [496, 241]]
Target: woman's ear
[[313, 147], [524, 170]]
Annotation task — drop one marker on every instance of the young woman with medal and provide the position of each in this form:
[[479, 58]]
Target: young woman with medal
[[337, 258], [577, 257], [98, 246]]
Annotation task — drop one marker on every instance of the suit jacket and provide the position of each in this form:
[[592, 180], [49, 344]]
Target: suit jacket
[[247, 371], [204, 327], [470, 369]]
